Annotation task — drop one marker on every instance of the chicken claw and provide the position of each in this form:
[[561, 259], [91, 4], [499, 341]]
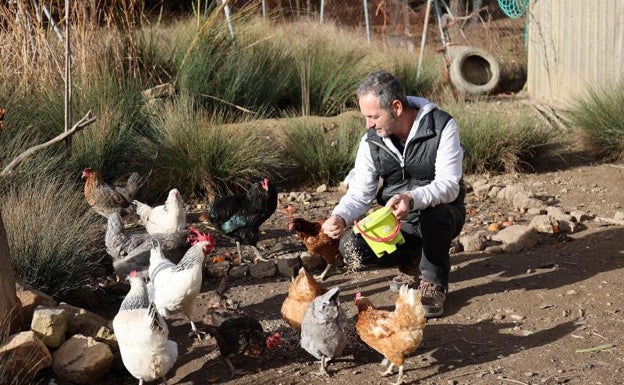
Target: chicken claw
[[322, 371], [388, 372], [233, 370], [321, 277], [258, 256]]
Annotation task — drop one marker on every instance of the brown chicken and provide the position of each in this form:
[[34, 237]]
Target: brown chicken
[[106, 199], [316, 242], [302, 290], [393, 334]]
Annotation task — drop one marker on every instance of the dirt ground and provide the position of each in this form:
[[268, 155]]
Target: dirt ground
[[521, 318]]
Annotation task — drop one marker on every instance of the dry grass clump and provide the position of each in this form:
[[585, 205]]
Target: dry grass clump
[[55, 240], [496, 140], [600, 118]]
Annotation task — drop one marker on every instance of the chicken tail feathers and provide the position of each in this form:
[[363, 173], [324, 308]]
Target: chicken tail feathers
[[142, 209], [234, 223], [113, 236], [150, 291], [158, 323], [133, 184], [409, 300]]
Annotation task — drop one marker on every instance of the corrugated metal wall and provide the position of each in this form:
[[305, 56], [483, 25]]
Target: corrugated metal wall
[[574, 44]]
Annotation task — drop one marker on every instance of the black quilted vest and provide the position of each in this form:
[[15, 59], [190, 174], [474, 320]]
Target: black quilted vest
[[420, 156]]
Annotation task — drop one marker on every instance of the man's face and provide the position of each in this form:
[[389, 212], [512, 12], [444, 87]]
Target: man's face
[[383, 121]]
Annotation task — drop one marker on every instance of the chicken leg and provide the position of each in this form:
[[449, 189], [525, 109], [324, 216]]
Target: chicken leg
[[322, 371], [257, 255], [233, 370], [388, 372], [321, 277], [187, 313]]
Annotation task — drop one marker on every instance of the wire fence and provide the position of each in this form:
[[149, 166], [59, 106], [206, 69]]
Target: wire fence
[[467, 22]]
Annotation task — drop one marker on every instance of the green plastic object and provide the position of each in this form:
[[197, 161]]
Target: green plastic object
[[381, 230], [513, 8]]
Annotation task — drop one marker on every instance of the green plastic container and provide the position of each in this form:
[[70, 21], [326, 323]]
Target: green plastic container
[[381, 230]]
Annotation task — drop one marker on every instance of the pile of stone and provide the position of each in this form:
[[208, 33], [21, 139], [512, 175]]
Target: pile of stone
[[78, 345], [512, 237]]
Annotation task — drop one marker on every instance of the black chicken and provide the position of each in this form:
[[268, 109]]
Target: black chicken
[[240, 216], [236, 333]]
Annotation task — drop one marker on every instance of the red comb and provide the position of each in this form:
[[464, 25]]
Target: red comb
[[274, 340], [197, 236]]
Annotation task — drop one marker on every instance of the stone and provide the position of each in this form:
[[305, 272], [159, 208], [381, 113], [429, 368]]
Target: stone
[[581, 216], [81, 321], [494, 190], [542, 224], [509, 192], [288, 265], [523, 202], [517, 238], [536, 211], [217, 269], [473, 242], [558, 214], [31, 298], [22, 356], [568, 227], [107, 336], [50, 324], [239, 271], [263, 269], [481, 190], [82, 360]]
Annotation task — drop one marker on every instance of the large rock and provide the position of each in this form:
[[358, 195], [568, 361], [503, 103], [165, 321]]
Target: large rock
[[31, 298], [50, 325], [517, 238], [22, 356], [263, 269], [81, 321], [82, 360]]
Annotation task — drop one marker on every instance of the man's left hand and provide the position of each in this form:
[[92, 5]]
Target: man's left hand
[[400, 204]]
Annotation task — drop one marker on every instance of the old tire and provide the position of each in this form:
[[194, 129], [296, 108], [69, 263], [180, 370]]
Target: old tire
[[474, 71]]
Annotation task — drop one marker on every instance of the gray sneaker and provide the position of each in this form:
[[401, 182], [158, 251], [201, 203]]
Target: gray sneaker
[[400, 280], [432, 298]]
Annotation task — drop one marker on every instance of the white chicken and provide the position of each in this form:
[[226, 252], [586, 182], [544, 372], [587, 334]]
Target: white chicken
[[168, 218], [172, 287], [142, 335]]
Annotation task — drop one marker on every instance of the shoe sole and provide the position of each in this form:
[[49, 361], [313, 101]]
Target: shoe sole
[[433, 314], [396, 286]]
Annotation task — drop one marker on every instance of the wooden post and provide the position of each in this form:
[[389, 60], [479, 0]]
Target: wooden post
[[423, 39], [367, 21], [10, 306], [68, 114]]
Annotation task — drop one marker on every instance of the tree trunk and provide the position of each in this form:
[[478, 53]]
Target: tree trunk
[[10, 306]]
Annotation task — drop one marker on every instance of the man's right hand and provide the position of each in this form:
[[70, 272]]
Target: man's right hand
[[334, 227]]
